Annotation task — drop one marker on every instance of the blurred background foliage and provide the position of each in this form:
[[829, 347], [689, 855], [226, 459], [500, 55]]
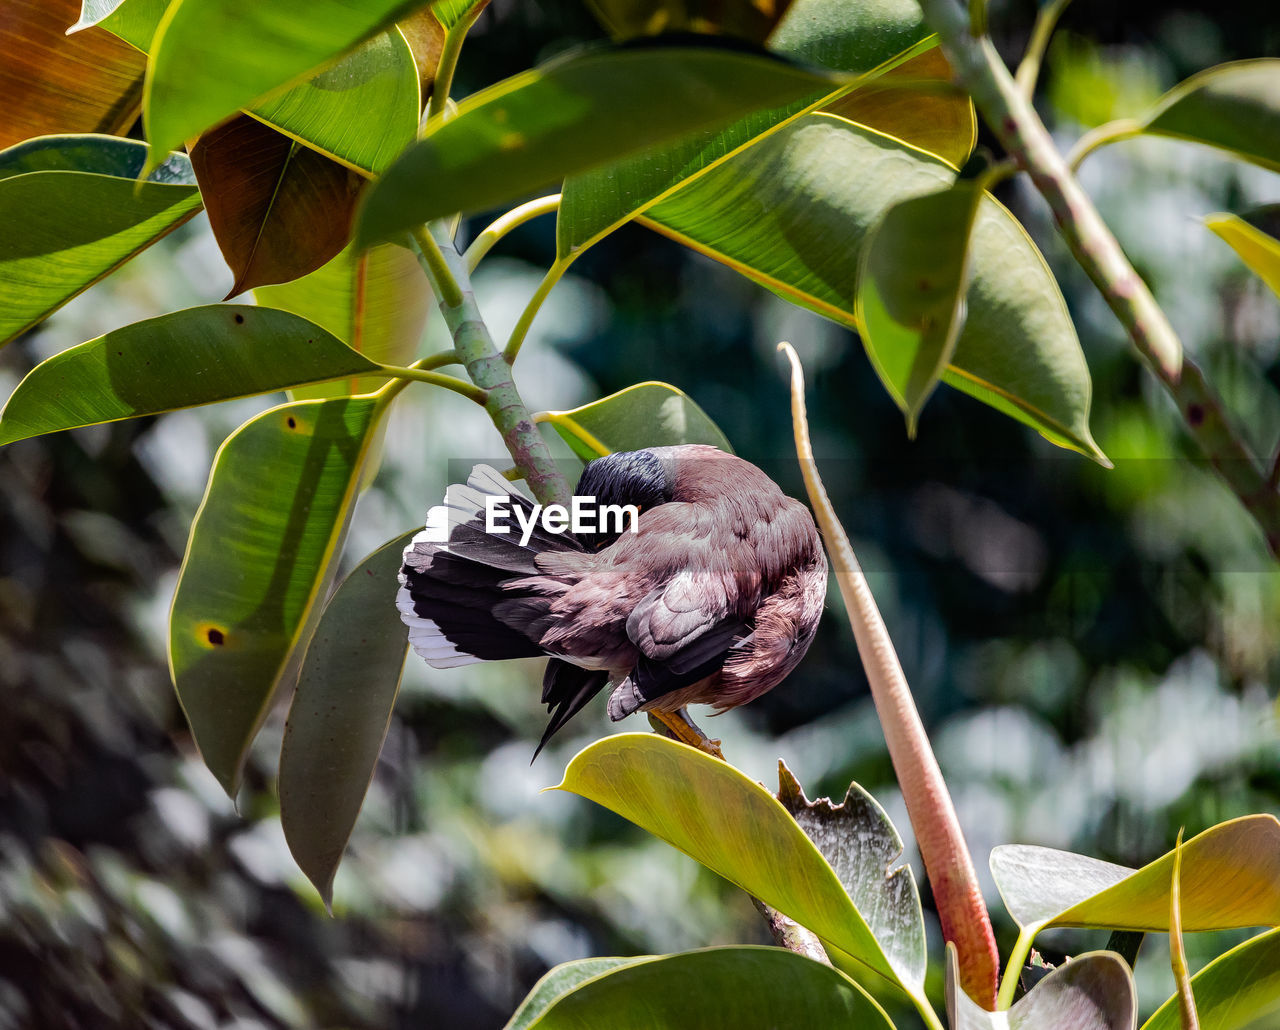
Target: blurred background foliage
[[1095, 652]]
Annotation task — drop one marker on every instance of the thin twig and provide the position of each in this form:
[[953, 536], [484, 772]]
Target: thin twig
[[1029, 69], [448, 62], [789, 934], [521, 330], [1100, 136], [503, 224], [420, 375]]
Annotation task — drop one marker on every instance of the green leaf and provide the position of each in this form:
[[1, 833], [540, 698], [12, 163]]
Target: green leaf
[[793, 213], [277, 209], [1234, 107], [134, 21], [1230, 878], [362, 111], [568, 115], [70, 225], [911, 292], [721, 818], [260, 557], [865, 852], [1257, 249], [849, 35], [561, 980], [1093, 991], [451, 12], [644, 415], [210, 58], [227, 351], [376, 303], [1234, 991], [340, 714], [741, 988], [751, 20]]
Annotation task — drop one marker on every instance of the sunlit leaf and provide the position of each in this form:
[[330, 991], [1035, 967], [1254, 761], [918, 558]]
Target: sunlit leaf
[[212, 57], [425, 35], [793, 213], [1234, 107], [451, 12], [89, 82], [71, 212], [227, 351], [340, 714], [259, 560], [752, 20], [568, 115], [1093, 991], [849, 35], [278, 209], [1236, 990], [1259, 250], [911, 291], [134, 21], [644, 415], [717, 989], [1230, 878], [713, 813], [560, 980]]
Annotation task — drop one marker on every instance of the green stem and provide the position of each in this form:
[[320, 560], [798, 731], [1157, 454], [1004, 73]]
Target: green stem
[[453, 383], [448, 274], [531, 309], [1029, 69], [1096, 138], [443, 82], [499, 227], [1013, 971], [979, 69]]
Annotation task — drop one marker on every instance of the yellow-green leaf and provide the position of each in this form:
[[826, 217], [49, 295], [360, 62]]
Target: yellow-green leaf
[[1235, 991], [134, 21], [1257, 249]]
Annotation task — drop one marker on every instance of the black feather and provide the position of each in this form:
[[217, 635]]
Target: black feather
[[566, 689]]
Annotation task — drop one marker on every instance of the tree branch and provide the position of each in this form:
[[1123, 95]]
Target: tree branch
[[789, 934]]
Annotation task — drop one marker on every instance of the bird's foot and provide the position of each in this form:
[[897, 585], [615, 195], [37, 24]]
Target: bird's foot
[[678, 726]]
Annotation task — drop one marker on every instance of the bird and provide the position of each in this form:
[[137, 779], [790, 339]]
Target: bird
[[711, 594]]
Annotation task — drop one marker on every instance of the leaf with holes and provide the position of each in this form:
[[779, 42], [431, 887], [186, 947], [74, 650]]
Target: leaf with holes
[[278, 209], [73, 212], [260, 558], [644, 415], [1258, 249], [227, 351]]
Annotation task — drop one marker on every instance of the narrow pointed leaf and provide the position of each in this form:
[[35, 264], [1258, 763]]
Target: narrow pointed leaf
[[793, 213], [751, 20], [1235, 991], [340, 714], [561, 980], [227, 351], [569, 115], [71, 212], [134, 21], [278, 209], [1259, 250], [210, 58], [644, 415], [1234, 107], [1094, 991], [362, 111], [742, 988], [90, 82], [716, 815], [911, 292], [1230, 878], [260, 558]]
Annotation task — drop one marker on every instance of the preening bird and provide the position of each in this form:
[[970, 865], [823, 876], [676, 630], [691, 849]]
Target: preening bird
[[712, 596]]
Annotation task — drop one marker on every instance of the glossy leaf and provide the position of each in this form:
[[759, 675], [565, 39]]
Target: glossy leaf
[[212, 57], [1094, 991], [451, 12], [226, 351], [90, 82], [716, 815], [561, 980], [134, 21], [260, 558], [752, 20], [1230, 878], [916, 102], [644, 415], [849, 35], [1236, 990], [278, 209], [1234, 107], [911, 292], [1257, 249], [362, 111], [740, 988], [340, 714], [865, 852], [72, 213], [793, 213], [568, 115]]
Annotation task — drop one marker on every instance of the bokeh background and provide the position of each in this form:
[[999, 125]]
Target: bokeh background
[[1095, 653]]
